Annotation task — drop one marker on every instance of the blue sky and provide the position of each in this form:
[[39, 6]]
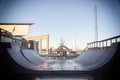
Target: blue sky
[[71, 20]]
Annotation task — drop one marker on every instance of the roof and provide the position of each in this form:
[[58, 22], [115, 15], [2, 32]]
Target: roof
[[16, 23]]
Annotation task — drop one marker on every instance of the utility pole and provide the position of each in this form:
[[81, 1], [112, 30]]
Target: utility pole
[[75, 41], [62, 42], [96, 27]]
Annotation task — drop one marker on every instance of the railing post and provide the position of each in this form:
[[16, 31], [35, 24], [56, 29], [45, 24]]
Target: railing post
[[103, 45], [110, 42], [92, 46], [99, 45], [115, 40], [106, 43]]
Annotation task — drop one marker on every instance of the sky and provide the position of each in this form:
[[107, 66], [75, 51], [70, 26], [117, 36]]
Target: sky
[[73, 21]]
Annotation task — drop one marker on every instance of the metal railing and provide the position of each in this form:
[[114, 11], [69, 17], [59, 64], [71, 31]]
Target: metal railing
[[5, 33], [6, 36], [103, 43]]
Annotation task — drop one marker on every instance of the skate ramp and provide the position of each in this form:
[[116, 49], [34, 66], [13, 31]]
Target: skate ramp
[[87, 60]]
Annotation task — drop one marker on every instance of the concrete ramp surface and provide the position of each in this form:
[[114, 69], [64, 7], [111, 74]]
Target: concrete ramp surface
[[93, 59], [26, 58], [88, 59]]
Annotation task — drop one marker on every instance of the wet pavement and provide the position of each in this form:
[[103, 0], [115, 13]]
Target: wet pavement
[[67, 65]]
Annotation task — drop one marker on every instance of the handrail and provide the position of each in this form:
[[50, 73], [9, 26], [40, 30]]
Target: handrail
[[103, 43]]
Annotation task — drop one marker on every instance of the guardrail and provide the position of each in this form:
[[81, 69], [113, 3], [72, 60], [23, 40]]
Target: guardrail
[[103, 43]]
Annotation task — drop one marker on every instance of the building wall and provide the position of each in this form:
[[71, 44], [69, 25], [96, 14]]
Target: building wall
[[16, 29]]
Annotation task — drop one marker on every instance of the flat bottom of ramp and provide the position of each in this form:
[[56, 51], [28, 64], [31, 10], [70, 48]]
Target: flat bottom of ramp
[[60, 65]]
